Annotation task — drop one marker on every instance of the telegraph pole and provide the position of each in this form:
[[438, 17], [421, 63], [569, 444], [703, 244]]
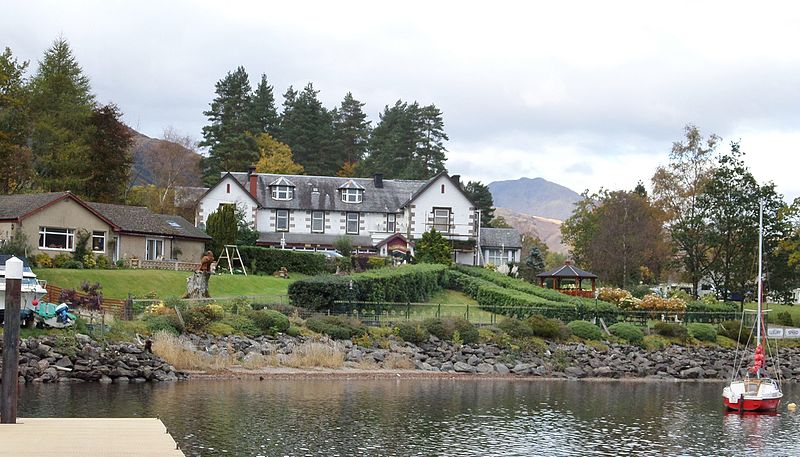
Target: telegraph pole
[[10, 373]]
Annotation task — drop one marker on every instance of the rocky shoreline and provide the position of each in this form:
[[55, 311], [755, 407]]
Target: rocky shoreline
[[55, 359], [81, 359]]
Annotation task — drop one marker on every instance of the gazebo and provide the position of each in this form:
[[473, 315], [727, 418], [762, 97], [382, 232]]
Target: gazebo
[[569, 279]]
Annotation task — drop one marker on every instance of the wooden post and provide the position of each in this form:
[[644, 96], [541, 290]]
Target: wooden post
[[10, 373]]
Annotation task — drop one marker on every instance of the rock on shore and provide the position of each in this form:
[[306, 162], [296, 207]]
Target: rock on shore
[[82, 359]]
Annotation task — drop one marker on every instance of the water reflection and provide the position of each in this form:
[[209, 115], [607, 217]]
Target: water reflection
[[432, 417]]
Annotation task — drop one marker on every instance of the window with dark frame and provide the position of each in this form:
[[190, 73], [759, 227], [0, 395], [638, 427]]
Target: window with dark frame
[[352, 223], [98, 241], [391, 222], [318, 221], [282, 220]]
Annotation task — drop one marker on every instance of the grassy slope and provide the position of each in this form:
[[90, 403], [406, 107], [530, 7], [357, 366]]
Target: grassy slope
[[118, 283]]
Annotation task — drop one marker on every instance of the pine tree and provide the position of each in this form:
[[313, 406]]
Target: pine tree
[[482, 197], [228, 136], [16, 159], [307, 127], [61, 107], [351, 129], [430, 151], [433, 248], [110, 159], [263, 112], [222, 227]]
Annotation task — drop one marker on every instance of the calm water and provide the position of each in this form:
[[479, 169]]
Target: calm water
[[434, 417]]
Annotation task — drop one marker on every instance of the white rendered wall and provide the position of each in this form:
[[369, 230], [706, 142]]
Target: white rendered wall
[[461, 209], [219, 195]]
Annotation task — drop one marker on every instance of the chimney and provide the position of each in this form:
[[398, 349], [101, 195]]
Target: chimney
[[378, 179], [456, 179], [253, 178]]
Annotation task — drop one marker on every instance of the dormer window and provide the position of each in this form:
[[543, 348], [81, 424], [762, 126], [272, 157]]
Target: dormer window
[[282, 189], [282, 192], [352, 192], [352, 195]]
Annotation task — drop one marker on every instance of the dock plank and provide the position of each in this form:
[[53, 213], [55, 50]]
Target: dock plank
[[87, 437]]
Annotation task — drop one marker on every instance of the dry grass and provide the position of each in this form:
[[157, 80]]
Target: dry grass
[[184, 356], [317, 354], [257, 361], [398, 362]]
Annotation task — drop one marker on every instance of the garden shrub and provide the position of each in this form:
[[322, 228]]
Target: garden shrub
[[730, 329], [43, 261], [267, 260], [585, 330], [293, 330], [446, 327], [72, 265], [412, 332], [784, 318], [374, 262], [60, 259], [160, 322], [628, 332], [89, 261], [408, 283], [515, 327], [702, 332], [654, 342], [219, 329], [242, 325], [103, 262], [671, 330], [337, 327], [196, 319], [269, 321], [547, 328]]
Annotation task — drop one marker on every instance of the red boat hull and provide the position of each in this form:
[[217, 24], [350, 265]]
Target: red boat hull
[[754, 405]]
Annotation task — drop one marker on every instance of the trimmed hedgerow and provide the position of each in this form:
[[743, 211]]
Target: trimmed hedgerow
[[628, 332], [337, 327], [703, 332], [268, 261], [408, 283], [585, 330]]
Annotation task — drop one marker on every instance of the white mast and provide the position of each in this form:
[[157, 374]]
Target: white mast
[[760, 272]]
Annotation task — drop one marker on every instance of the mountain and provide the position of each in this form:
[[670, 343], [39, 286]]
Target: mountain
[[548, 230], [537, 197], [148, 155]]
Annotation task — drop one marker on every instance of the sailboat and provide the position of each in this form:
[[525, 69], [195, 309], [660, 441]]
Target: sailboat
[[756, 391]]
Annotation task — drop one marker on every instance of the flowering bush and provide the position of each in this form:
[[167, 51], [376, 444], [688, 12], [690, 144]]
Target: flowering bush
[[614, 295], [656, 303]]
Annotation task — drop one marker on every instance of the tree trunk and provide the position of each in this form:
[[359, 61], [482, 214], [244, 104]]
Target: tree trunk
[[197, 285]]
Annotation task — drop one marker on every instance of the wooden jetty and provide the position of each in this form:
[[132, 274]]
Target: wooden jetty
[[95, 437]]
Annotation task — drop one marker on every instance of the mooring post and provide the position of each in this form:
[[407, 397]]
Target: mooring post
[[10, 373]]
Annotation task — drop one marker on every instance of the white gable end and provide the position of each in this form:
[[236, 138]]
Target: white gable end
[[227, 191]]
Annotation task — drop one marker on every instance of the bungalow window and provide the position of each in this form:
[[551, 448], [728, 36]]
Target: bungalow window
[[352, 195], [391, 223], [56, 238], [318, 221], [98, 241], [496, 257], [282, 220], [352, 223], [282, 192], [441, 219], [155, 249]]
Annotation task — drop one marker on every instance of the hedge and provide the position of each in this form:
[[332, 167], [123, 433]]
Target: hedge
[[268, 261], [515, 303], [408, 283], [524, 286]]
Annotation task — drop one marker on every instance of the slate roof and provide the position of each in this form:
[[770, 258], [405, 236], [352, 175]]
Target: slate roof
[[322, 193], [138, 219], [312, 238], [568, 270], [496, 237], [18, 205]]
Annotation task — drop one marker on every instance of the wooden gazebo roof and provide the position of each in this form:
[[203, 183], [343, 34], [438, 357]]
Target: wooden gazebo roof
[[568, 270]]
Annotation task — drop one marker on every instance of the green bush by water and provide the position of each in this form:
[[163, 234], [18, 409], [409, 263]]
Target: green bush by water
[[412, 332], [269, 321], [671, 330], [628, 332], [337, 327], [702, 332], [585, 330]]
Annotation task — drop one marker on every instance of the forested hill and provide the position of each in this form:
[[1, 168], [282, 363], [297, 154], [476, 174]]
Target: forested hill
[[537, 197], [149, 155]]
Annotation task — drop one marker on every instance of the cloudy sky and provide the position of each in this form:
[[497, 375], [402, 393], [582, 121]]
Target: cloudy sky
[[586, 94]]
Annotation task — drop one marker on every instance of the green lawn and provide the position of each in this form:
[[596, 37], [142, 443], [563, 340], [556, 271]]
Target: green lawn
[[446, 303], [165, 283], [775, 308]]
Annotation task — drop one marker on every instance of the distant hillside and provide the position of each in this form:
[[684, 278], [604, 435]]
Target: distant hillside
[[145, 151], [537, 197], [548, 230]]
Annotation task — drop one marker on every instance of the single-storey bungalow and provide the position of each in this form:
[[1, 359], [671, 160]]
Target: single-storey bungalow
[[52, 221], [500, 246]]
